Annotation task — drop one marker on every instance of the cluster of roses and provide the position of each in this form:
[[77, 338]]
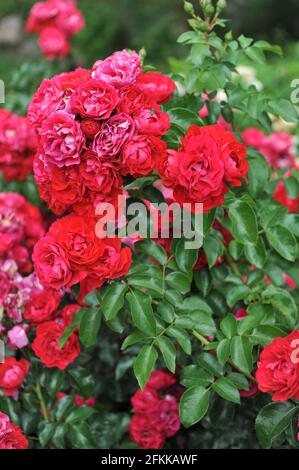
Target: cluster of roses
[[11, 436], [94, 128], [17, 146], [56, 21], [156, 411], [210, 159], [277, 148], [21, 226]]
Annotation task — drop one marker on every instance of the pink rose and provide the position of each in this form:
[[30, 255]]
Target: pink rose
[[120, 69], [17, 337], [112, 136], [62, 140], [48, 98], [153, 121], [53, 43], [70, 19], [94, 99]]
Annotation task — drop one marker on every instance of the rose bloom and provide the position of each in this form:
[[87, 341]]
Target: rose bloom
[[90, 128], [48, 98], [61, 140], [159, 87], [100, 176], [232, 152], [153, 121], [11, 436], [114, 263], [77, 238], [120, 69], [70, 19], [94, 99], [112, 136], [46, 346], [12, 375], [51, 265], [280, 195], [200, 174], [61, 188], [134, 101], [141, 155], [41, 306], [53, 43], [278, 368], [143, 431]]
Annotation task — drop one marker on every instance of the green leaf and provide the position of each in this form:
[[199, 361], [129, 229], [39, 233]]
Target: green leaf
[[82, 436], [153, 250], [192, 375], [213, 247], [113, 300], [255, 54], [183, 117], [256, 254], [78, 414], [237, 293], [228, 326], [284, 303], [282, 241], [264, 334], [133, 338], [209, 363], [142, 312], [45, 433], [272, 421], [63, 406], [145, 281], [284, 109], [194, 405], [181, 337], [227, 390], [198, 54], [244, 223], [144, 364], [239, 380], [223, 351], [185, 259], [241, 354], [179, 281], [168, 352], [90, 326]]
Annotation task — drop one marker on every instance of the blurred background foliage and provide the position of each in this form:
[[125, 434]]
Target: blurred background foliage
[[155, 25]]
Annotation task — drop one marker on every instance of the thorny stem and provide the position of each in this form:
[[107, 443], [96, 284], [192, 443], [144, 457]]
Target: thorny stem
[[39, 394]]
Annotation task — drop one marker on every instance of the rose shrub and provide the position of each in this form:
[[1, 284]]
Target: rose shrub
[[139, 341]]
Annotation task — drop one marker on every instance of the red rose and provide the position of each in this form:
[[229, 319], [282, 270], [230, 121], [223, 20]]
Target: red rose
[[41, 306], [94, 99], [232, 152], [278, 368], [200, 174], [161, 379], [12, 375], [11, 436], [168, 167], [280, 195], [157, 86], [77, 238], [100, 176], [152, 120], [51, 264], [46, 346], [61, 188], [145, 401], [143, 431], [113, 135], [90, 128], [65, 316], [133, 101], [141, 154]]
